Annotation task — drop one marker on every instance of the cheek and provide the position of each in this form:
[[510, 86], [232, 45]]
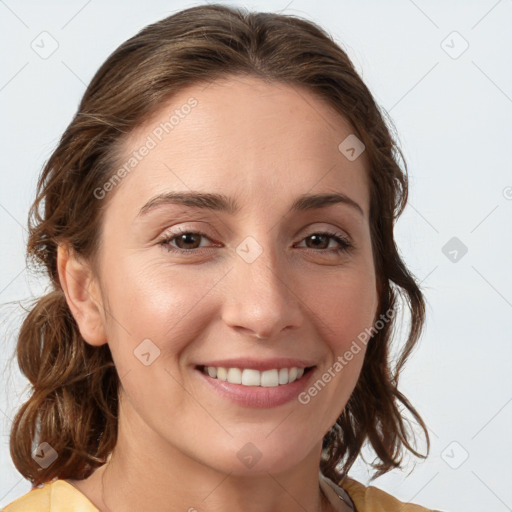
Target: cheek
[[151, 302], [154, 317], [343, 309], [347, 306]]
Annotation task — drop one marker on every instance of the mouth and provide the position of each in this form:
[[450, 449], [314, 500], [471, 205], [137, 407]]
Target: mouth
[[251, 388], [251, 377]]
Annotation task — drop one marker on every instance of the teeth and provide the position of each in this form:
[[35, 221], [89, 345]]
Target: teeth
[[234, 376], [251, 377]]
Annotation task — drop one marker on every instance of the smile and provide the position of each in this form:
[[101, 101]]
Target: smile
[[252, 388], [250, 377]]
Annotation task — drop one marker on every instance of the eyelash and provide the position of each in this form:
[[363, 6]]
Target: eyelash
[[345, 244]]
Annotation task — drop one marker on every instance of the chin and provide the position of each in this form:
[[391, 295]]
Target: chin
[[260, 458]]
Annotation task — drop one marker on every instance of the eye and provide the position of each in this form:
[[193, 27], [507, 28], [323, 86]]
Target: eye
[[318, 239], [184, 239]]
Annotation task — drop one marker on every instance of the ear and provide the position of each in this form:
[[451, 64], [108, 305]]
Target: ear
[[82, 295]]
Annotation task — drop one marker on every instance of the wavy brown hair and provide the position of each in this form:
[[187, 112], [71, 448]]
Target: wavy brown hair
[[74, 386]]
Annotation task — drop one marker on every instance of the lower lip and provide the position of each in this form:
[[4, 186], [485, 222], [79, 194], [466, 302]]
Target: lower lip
[[259, 396]]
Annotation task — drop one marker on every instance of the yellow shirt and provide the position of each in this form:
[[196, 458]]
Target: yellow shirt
[[61, 496]]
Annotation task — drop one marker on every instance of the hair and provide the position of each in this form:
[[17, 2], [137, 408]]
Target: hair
[[73, 404]]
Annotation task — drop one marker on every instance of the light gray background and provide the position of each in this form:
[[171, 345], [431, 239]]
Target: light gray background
[[453, 113]]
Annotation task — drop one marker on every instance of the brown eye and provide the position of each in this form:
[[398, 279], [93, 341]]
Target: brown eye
[[317, 241], [320, 242], [183, 241]]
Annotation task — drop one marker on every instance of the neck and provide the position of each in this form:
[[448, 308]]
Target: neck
[[124, 489]]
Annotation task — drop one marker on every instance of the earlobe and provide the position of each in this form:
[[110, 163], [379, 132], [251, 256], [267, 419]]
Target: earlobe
[[82, 295]]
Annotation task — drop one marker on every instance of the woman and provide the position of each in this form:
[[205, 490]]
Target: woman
[[217, 222]]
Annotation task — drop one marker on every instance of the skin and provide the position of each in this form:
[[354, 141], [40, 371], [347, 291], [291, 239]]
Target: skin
[[263, 145]]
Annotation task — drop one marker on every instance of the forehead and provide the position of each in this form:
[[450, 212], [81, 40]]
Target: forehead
[[246, 137]]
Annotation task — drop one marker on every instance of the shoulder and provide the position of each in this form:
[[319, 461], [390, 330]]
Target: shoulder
[[55, 496], [376, 500]]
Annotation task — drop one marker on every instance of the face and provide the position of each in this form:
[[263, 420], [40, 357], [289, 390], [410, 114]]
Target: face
[[187, 285]]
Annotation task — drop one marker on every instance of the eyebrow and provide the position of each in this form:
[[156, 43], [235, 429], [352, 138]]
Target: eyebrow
[[223, 203]]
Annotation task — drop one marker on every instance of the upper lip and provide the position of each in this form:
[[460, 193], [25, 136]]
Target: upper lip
[[260, 364]]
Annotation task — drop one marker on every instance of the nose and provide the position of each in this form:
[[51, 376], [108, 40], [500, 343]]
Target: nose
[[259, 295]]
